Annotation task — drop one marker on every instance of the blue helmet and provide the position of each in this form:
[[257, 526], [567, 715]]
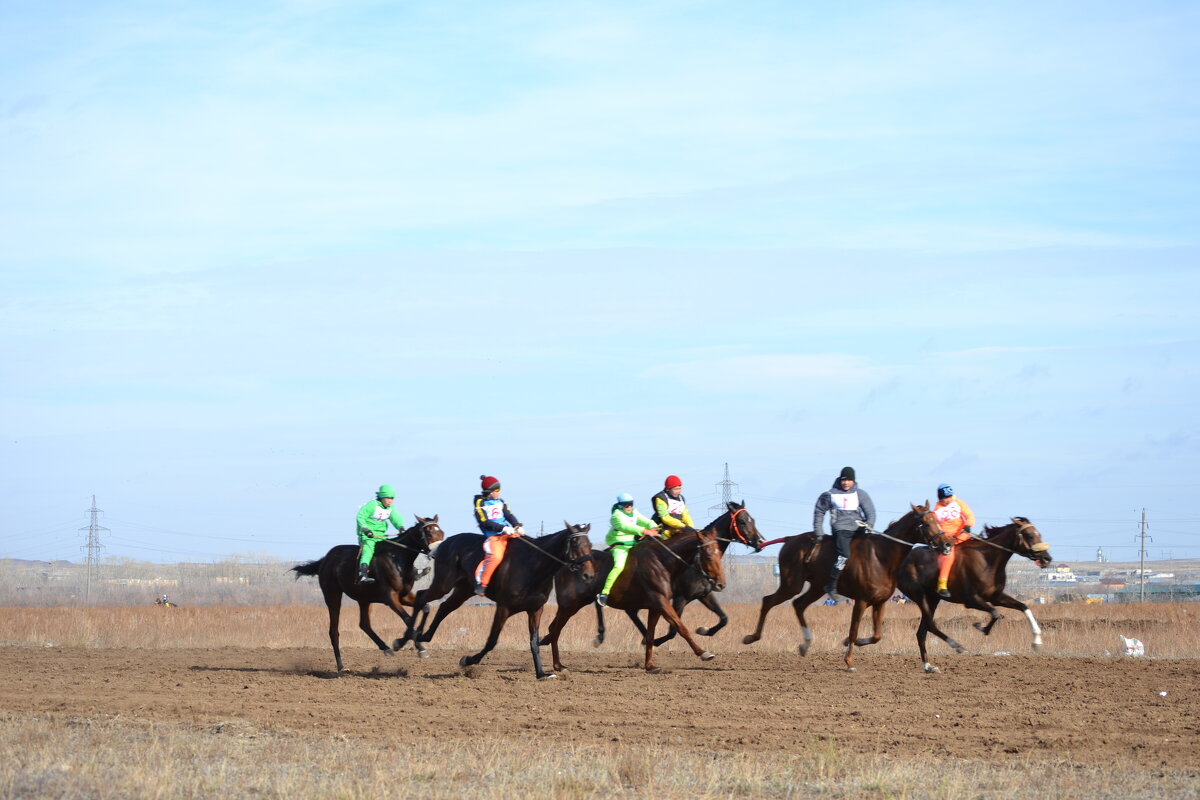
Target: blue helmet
[[624, 497], [944, 491]]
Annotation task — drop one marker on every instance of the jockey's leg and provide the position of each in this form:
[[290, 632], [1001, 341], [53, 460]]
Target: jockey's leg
[[841, 540], [493, 554], [619, 553], [365, 553]]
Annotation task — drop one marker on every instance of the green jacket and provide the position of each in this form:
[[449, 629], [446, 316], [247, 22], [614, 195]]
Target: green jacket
[[373, 520], [625, 528]]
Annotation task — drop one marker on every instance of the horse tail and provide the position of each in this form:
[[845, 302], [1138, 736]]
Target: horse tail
[[311, 568]]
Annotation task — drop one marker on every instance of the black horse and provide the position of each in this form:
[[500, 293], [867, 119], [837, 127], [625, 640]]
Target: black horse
[[521, 583], [573, 592], [977, 579], [395, 578]]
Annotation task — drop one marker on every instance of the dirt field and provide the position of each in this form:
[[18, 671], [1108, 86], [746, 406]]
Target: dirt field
[[998, 709]]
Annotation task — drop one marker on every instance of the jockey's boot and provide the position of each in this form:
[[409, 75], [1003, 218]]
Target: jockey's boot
[[943, 591], [831, 584], [363, 577], [480, 589]]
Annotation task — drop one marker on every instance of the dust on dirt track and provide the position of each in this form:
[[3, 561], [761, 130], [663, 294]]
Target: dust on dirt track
[[990, 708]]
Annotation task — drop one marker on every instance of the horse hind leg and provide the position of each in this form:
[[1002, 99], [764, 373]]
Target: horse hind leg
[[770, 601], [333, 602], [364, 623], [800, 605], [498, 620], [877, 612], [678, 603], [535, 618], [1009, 601]]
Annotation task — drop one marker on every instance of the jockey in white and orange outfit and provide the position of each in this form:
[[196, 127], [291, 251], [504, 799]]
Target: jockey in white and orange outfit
[[498, 525], [956, 518]]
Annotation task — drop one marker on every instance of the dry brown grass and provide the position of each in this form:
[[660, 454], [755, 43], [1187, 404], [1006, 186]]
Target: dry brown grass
[[98, 757], [1168, 630]]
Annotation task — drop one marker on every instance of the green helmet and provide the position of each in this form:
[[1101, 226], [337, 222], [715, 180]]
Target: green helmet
[[385, 491]]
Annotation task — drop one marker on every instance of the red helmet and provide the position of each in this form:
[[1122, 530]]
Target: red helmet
[[672, 482]]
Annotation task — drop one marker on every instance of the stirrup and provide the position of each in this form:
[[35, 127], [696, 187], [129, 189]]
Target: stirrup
[[602, 600], [944, 593], [422, 572]]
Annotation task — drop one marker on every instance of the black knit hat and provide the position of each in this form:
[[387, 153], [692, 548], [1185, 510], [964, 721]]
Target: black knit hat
[[847, 474]]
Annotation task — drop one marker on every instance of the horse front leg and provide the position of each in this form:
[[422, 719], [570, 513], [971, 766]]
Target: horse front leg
[[637, 623], [1011, 602], [928, 605], [710, 602], [599, 640], [855, 619], [770, 601], [677, 603], [445, 608], [668, 613], [535, 619], [552, 633], [498, 620], [648, 640], [877, 612], [333, 601]]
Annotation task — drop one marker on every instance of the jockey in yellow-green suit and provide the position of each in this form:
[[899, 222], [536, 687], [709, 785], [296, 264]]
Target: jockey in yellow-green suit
[[373, 519], [627, 525]]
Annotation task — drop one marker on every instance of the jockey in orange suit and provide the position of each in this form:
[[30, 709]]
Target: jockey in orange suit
[[956, 518]]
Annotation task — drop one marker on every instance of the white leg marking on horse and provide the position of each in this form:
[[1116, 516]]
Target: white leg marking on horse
[[1037, 632]]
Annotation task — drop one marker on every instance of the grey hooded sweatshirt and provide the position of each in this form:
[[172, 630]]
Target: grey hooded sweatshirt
[[845, 508]]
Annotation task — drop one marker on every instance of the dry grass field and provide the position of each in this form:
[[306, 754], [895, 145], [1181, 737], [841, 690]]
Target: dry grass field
[[242, 702]]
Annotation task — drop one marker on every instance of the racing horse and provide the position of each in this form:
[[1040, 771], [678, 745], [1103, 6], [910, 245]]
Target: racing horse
[[735, 525], [395, 578], [977, 579], [522, 582], [869, 577], [572, 592]]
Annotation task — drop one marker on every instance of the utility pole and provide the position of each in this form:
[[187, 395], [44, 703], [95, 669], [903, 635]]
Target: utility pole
[[725, 487], [1142, 555], [92, 547]]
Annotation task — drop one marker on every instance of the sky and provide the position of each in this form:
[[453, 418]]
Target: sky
[[259, 258]]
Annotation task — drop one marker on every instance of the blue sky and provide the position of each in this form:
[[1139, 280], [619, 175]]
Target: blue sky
[[260, 258]]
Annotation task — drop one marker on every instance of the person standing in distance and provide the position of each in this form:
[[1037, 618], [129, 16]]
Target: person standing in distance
[[849, 508]]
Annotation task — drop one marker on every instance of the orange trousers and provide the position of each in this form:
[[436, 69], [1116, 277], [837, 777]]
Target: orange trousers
[[945, 562], [493, 554]]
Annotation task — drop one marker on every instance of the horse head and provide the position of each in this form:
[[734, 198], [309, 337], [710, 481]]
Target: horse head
[[579, 550], [429, 532], [1028, 542], [742, 527], [930, 528], [708, 559]]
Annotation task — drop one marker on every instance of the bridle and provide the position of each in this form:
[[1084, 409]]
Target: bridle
[[576, 563], [695, 562], [1023, 526], [424, 534], [733, 526]]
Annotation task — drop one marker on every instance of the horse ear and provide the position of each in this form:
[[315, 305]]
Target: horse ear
[[435, 516], [420, 519], [587, 526], [568, 525]]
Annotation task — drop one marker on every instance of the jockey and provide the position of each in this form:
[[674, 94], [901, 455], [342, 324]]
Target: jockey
[[373, 519], [848, 507], [956, 518], [670, 509], [626, 526], [498, 525]]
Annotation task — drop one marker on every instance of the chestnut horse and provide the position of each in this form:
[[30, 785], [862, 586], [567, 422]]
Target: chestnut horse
[[521, 583], [977, 579], [395, 577], [573, 593], [646, 582], [869, 577]]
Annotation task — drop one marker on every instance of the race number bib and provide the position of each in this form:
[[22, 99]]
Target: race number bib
[[845, 502], [494, 511], [381, 513], [948, 512]]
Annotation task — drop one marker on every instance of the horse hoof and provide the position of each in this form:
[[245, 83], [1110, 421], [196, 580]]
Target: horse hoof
[[1037, 645], [851, 669], [977, 626], [707, 656], [654, 670], [398, 644], [803, 649], [597, 642], [931, 669], [547, 676], [749, 639], [389, 652], [702, 632], [958, 648], [422, 654], [465, 661]]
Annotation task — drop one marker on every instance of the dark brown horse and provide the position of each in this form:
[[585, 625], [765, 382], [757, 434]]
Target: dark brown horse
[[646, 582], [869, 577], [977, 579], [572, 592], [521, 583], [394, 574]]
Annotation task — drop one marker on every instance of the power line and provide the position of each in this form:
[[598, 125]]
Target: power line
[[93, 547]]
